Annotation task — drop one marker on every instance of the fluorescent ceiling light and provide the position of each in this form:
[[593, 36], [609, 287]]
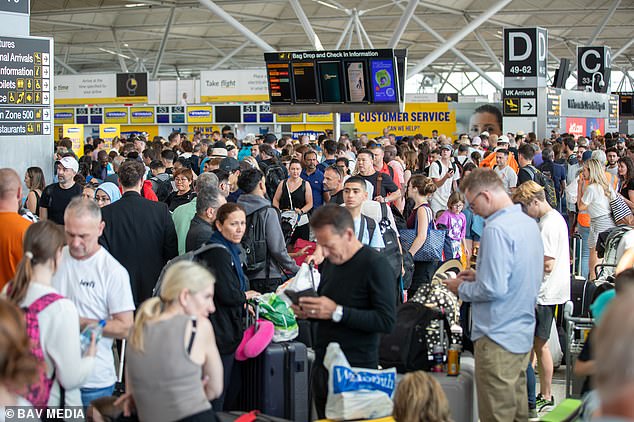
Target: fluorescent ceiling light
[[135, 5], [114, 53]]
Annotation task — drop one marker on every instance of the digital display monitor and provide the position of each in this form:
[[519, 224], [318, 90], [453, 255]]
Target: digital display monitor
[[305, 82], [356, 84], [81, 120], [279, 83], [383, 82], [330, 82], [228, 114], [162, 118]]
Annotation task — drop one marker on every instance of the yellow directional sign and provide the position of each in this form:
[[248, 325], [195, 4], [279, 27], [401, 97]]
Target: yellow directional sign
[[38, 57], [38, 128], [37, 71], [12, 97], [37, 97]]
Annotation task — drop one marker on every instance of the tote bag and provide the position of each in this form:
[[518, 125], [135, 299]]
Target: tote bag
[[433, 247]]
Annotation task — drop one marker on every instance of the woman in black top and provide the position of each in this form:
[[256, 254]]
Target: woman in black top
[[295, 194], [184, 192], [626, 180], [232, 286], [34, 180]]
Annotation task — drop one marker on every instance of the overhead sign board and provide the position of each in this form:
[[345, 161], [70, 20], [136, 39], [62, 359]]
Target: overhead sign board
[[335, 81], [519, 101], [525, 52], [25, 101], [15, 6], [584, 104], [594, 67], [553, 108], [106, 88], [221, 86]]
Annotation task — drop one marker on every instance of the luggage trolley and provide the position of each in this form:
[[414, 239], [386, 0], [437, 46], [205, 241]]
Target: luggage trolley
[[577, 329]]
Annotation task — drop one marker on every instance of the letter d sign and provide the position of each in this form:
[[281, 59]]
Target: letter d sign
[[525, 51]]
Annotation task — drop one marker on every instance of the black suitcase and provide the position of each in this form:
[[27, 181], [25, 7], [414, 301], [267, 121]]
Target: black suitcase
[[277, 382], [581, 294]]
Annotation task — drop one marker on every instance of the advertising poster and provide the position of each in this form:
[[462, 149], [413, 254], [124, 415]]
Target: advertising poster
[[383, 84], [475, 118], [355, 72], [76, 134], [576, 126], [108, 132]]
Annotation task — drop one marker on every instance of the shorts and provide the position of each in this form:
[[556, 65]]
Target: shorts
[[544, 315]]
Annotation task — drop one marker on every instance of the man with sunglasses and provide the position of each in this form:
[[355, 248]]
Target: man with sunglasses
[[503, 295]]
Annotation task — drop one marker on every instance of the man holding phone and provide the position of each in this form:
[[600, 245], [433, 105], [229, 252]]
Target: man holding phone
[[445, 175], [354, 304]]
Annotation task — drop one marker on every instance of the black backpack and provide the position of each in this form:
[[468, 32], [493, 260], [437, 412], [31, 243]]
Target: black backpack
[[546, 182], [273, 176], [405, 348], [254, 242], [162, 188], [392, 250]]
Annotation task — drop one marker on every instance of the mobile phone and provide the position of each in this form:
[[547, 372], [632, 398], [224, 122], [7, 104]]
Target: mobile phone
[[294, 296]]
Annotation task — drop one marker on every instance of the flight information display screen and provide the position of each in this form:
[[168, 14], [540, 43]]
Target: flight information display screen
[[279, 82], [305, 82], [330, 82], [383, 86]]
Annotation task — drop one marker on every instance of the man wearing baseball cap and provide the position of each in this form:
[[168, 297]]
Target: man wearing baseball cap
[[57, 196]]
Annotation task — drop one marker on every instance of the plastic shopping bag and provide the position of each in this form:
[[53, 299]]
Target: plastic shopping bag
[[274, 309], [305, 283], [357, 393]]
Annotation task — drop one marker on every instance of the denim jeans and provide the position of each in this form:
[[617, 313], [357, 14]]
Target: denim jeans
[[90, 394], [585, 250], [531, 385]]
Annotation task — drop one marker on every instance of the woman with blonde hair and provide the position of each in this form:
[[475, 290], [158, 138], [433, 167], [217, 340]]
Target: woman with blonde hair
[[420, 398], [171, 345], [420, 188], [57, 317], [596, 201]]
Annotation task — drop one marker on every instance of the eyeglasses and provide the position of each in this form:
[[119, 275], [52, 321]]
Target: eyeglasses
[[181, 179], [100, 199], [474, 199]]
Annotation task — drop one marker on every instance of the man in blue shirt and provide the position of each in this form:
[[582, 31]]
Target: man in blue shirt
[[503, 294], [314, 177]]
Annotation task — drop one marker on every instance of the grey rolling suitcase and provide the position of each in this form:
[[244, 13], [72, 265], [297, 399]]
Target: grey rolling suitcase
[[461, 391], [277, 382]]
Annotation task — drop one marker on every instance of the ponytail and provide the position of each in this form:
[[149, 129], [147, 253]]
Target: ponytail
[[16, 291], [42, 242], [149, 310]]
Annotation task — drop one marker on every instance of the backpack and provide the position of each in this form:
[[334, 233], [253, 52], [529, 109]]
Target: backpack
[[39, 392], [273, 176], [162, 187], [546, 182], [453, 166], [406, 348], [437, 295], [254, 243], [392, 250], [371, 223], [189, 256]]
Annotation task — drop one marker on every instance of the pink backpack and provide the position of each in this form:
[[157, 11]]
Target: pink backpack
[[40, 391]]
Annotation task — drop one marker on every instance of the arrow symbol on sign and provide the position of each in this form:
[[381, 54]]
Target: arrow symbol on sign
[[529, 106]]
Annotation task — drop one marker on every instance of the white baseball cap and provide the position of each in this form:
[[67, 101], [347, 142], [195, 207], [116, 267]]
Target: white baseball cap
[[69, 163]]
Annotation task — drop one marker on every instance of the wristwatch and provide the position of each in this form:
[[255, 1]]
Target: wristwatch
[[337, 315]]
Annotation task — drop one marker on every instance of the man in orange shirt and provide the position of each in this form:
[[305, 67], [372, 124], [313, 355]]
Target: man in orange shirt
[[490, 162], [13, 225]]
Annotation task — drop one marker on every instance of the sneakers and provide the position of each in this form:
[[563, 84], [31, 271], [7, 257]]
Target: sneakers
[[532, 414], [541, 402]]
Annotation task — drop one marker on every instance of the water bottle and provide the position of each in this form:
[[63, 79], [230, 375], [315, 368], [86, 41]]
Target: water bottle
[[86, 335]]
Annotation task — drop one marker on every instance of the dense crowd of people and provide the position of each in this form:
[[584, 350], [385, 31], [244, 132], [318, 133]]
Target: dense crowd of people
[[89, 243]]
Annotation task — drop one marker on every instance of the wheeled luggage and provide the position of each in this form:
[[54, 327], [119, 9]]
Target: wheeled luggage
[[577, 330], [461, 391], [277, 382]]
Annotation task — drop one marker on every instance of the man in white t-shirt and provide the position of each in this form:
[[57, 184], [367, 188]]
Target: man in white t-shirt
[[555, 288], [365, 228], [502, 169], [98, 286], [445, 175]]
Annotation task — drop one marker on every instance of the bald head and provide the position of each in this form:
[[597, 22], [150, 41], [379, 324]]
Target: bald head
[[10, 190]]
